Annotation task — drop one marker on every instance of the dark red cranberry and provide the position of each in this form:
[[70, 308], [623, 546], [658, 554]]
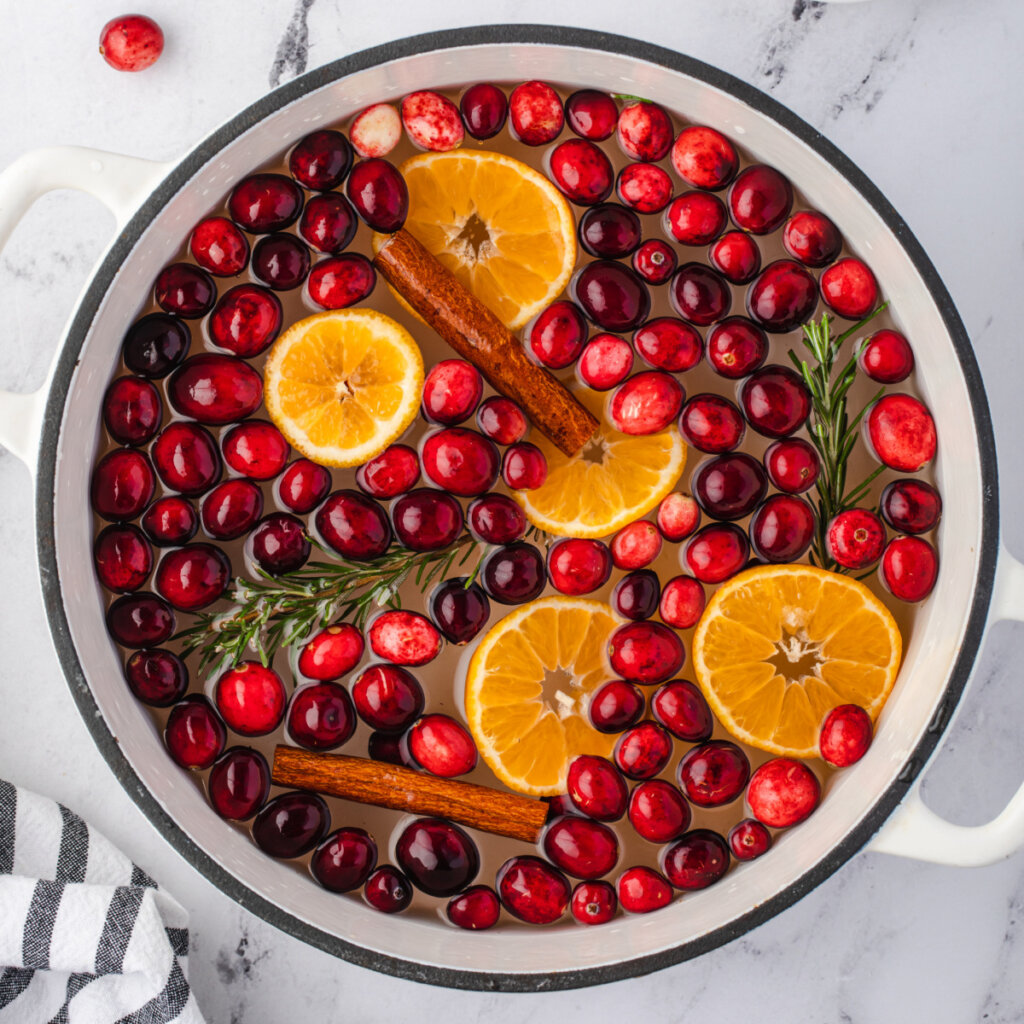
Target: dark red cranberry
[[460, 609], [524, 467], [303, 486], [711, 423], [246, 320], [239, 783], [341, 281], [404, 638], [594, 902], [484, 108], [476, 909], [353, 525], [749, 839], [616, 706], [681, 708], [655, 261], [460, 460], [280, 261], [582, 172], [592, 114], [513, 574], [451, 391], [388, 698], [642, 889], [792, 465], [637, 594], [695, 218], [580, 847], [186, 458], [426, 519], [280, 544], [658, 812], [185, 290], [251, 698], [849, 288], [783, 297], [645, 188], [344, 860], [901, 433], [393, 472], [131, 42], [122, 485], [697, 860], [760, 199], [437, 856], [700, 294], [194, 734], [291, 825], [887, 357], [644, 131], [911, 506], [388, 890], [611, 295], [557, 335], [533, 890], [140, 620], [256, 449], [155, 344], [170, 521], [783, 792], [329, 223], [496, 519], [263, 203], [845, 735], [812, 238], [332, 652], [215, 389], [379, 194], [729, 486], [389, 748], [775, 400], [157, 677], [682, 602], [232, 509], [321, 160], [909, 568], [736, 347], [132, 410], [856, 538], [559, 806], [669, 344], [596, 788], [782, 528], [442, 746], [194, 576], [716, 552], [610, 231], [736, 257], [643, 751], [502, 420], [605, 362], [714, 773], [704, 158], [321, 716], [637, 544], [646, 652], [535, 113], [646, 403], [678, 516], [219, 247]]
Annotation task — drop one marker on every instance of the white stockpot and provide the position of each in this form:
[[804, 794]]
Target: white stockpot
[[874, 804]]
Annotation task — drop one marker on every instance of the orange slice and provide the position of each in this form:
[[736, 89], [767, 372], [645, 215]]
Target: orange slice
[[342, 385], [779, 646], [528, 687]]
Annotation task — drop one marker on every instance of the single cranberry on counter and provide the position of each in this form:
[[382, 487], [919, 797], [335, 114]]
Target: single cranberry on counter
[[711, 423], [594, 902], [682, 602], [642, 889], [155, 344], [644, 131], [596, 788], [611, 295], [320, 160], [697, 860], [438, 856], [442, 746], [636, 545], [328, 223], [131, 42], [122, 485], [669, 344], [812, 238], [582, 172], [658, 812], [170, 521], [646, 652], [643, 751], [404, 638], [782, 528], [581, 847], [681, 708], [215, 389], [577, 566], [132, 410], [849, 288], [332, 652], [388, 890], [749, 839], [911, 506], [845, 735], [700, 294], [887, 357], [514, 574], [388, 698], [695, 218], [376, 130], [344, 860], [760, 199], [303, 486], [341, 281], [484, 108], [140, 620], [280, 544], [615, 706], [291, 825], [646, 403], [194, 576], [610, 231], [535, 113], [524, 467], [379, 194], [736, 347], [775, 400], [605, 362], [232, 509], [502, 420], [239, 783], [729, 486], [432, 121], [901, 433], [792, 465], [783, 792], [496, 519], [655, 261], [476, 909], [678, 516], [157, 677], [321, 716], [856, 538], [556, 336], [263, 203], [909, 568], [736, 257], [185, 290], [451, 391], [644, 187], [716, 552], [783, 297], [219, 247], [636, 595], [194, 734], [354, 525], [460, 461], [460, 609], [714, 773], [592, 114], [246, 320], [426, 519], [704, 158], [532, 890], [281, 261], [256, 449]]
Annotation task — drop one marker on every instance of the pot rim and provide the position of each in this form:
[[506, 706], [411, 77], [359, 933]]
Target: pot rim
[[46, 479]]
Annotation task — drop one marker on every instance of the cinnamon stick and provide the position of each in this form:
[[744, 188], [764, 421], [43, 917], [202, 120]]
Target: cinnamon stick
[[385, 785], [481, 338]]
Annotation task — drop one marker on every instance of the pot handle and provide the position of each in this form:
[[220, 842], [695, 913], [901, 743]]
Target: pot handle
[[915, 831], [121, 183]]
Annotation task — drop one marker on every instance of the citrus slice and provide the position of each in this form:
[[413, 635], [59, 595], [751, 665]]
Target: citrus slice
[[342, 385], [499, 226], [615, 479], [779, 646], [528, 687]]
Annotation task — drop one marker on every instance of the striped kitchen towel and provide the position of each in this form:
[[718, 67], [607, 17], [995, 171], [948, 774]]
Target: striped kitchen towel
[[86, 937]]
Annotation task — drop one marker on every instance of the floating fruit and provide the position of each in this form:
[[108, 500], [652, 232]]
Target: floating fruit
[[484, 109], [320, 160], [376, 131], [636, 595], [783, 792], [535, 113]]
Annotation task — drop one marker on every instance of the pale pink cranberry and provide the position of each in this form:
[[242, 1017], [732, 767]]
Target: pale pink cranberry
[[736, 257], [303, 486], [678, 516], [476, 909], [736, 347], [716, 552], [592, 114], [219, 247], [749, 839], [700, 294], [616, 706], [321, 716], [845, 735], [582, 172], [594, 902], [849, 288], [658, 812], [644, 187], [597, 788], [329, 223], [605, 362], [320, 160], [713, 773], [451, 391], [195, 735], [856, 538], [388, 698], [246, 320], [655, 261], [404, 638], [533, 890], [578, 566], [341, 281], [760, 199], [637, 544], [812, 238], [697, 860], [524, 467], [682, 602], [704, 158], [783, 792], [376, 130], [332, 652], [484, 108], [557, 335], [535, 113], [131, 42], [681, 708], [256, 449], [251, 699], [669, 344], [442, 746], [461, 461], [909, 568], [581, 847], [644, 131], [432, 121], [393, 472], [643, 751], [695, 218], [646, 403], [793, 465], [642, 889], [502, 420], [901, 433], [887, 357]]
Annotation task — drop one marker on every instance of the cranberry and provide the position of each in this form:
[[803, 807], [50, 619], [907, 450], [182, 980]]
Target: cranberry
[[155, 344], [157, 677], [344, 860], [580, 847], [911, 506], [697, 860], [341, 281], [645, 188], [501, 420], [901, 433], [849, 288], [695, 218], [524, 467], [616, 706], [496, 519], [388, 698], [594, 902], [749, 839], [714, 773], [717, 552], [404, 638], [476, 909], [782, 528], [596, 788], [194, 576], [281, 262], [388, 890], [812, 238], [263, 203], [170, 521], [460, 609], [681, 708], [606, 361], [484, 109], [644, 131], [131, 42], [856, 538], [582, 172], [376, 130], [704, 158], [219, 247], [643, 751], [513, 574], [442, 746], [760, 199], [393, 472], [231, 509], [646, 652], [122, 484], [332, 652], [279, 544], [636, 595], [215, 389], [426, 520], [239, 783], [729, 486], [379, 194], [736, 257], [532, 890], [783, 792], [658, 812], [321, 160], [246, 320], [845, 735], [132, 410], [353, 525], [775, 400], [185, 290], [592, 114], [610, 231], [611, 295], [577, 566], [682, 602], [669, 344], [792, 465], [535, 113], [700, 294], [328, 223], [642, 889], [910, 566], [678, 516], [251, 698], [291, 825], [451, 391], [461, 461], [438, 856], [140, 620], [256, 449], [887, 357], [736, 347], [655, 261], [783, 297], [711, 423], [194, 735], [646, 403], [637, 544], [303, 486], [557, 335], [389, 748], [321, 716]]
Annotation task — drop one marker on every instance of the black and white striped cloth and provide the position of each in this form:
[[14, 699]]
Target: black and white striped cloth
[[86, 937]]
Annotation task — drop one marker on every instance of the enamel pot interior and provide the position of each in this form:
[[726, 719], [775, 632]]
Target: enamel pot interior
[[946, 627]]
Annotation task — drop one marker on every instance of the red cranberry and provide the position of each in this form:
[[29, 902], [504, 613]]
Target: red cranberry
[[645, 188], [678, 516], [281, 261], [279, 544], [646, 403], [432, 121], [426, 520], [122, 484], [157, 677], [532, 890], [393, 472], [194, 735], [644, 131], [910, 566], [251, 698], [643, 751], [328, 223], [170, 521], [256, 449], [389, 748], [185, 290], [610, 231], [681, 708], [246, 320], [783, 792], [379, 194], [775, 401], [655, 261], [749, 839], [605, 362], [697, 860], [704, 158], [476, 909], [332, 652], [524, 467], [580, 847], [388, 890], [716, 552], [484, 109], [535, 113], [132, 410], [496, 519], [636, 595], [646, 652], [321, 716], [461, 461], [353, 525], [513, 574], [582, 172], [344, 860], [577, 566], [616, 706], [219, 247], [711, 423], [783, 297], [714, 773], [736, 347], [501, 420], [404, 638], [611, 295], [669, 344], [451, 391], [596, 788], [442, 746], [856, 538], [901, 432], [845, 735], [658, 812], [460, 609], [887, 357], [695, 218], [341, 281], [782, 528], [303, 486], [215, 389], [849, 288], [232, 509], [911, 506], [557, 335], [140, 620], [700, 294], [388, 698], [682, 602], [131, 42], [194, 576], [792, 465], [263, 203], [155, 344], [437, 856], [637, 544], [376, 130], [291, 825], [736, 257], [812, 238], [592, 114], [321, 160], [594, 902], [729, 486], [642, 889], [239, 783], [760, 199]]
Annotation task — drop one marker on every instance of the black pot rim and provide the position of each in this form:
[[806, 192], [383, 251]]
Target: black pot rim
[[499, 980]]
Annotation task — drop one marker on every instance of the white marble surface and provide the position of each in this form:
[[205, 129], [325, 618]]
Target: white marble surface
[[925, 96]]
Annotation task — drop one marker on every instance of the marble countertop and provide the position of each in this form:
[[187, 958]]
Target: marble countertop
[[925, 96]]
